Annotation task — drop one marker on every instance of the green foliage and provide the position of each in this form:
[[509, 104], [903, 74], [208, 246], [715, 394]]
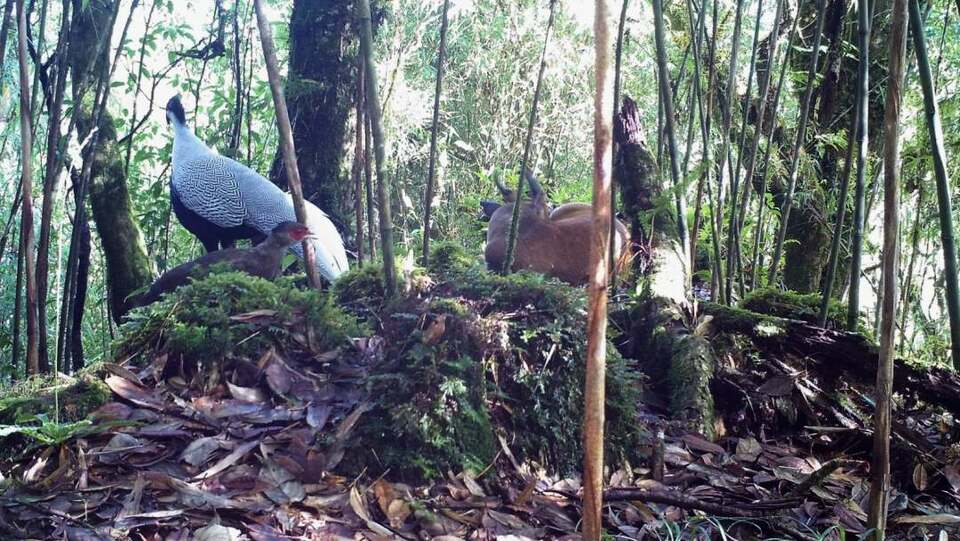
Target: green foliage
[[49, 432]]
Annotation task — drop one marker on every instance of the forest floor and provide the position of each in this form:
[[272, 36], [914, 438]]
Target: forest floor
[[211, 453]]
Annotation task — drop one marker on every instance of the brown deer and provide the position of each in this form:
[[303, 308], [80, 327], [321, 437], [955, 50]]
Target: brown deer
[[554, 242]]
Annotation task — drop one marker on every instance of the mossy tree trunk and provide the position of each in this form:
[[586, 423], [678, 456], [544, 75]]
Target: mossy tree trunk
[[658, 328], [320, 88], [128, 266], [807, 253]]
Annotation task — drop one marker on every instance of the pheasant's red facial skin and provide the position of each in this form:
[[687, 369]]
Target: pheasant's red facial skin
[[299, 234]]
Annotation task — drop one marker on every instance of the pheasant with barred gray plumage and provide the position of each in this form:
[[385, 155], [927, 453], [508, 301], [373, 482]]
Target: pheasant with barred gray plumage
[[221, 201]]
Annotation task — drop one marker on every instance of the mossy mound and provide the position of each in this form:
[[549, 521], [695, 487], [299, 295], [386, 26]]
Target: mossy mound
[[462, 364], [475, 356], [793, 305], [234, 316], [67, 398]]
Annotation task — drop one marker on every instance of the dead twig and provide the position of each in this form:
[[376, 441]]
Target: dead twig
[[687, 502], [819, 476]]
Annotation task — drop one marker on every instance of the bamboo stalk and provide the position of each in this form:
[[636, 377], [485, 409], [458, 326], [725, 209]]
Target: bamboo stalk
[[356, 172], [362, 8], [26, 187], [733, 233], [669, 116], [863, 88], [515, 218], [432, 167], [725, 144], [880, 466], [935, 130], [286, 138]]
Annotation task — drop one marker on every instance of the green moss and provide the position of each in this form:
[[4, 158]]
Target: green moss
[[691, 370], [232, 314], [793, 305], [362, 284], [449, 257], [509, 359], [68, 398]]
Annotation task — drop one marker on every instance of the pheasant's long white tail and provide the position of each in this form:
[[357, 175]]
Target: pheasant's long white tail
[[328, 245]]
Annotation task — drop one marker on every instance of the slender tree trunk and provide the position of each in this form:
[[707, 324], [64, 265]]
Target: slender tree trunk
[[515, 219], [18, 303], [880, 469], [77, 360], [906, 296], [621, 27], [733, 235], [8, 226], [237, 64], [4, 32], [697, 31], [725, 145], [862, 114], [594, 390], [758, 230], [26, 220], [669, 116], [432, 167], [373, 111], [357, 170], [826, 288], [286, 138], [368, 176], [249, 114], [798, 145], [943, 180], [51, 173]]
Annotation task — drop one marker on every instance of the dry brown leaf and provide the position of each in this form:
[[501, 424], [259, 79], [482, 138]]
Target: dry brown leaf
[[952, 473], [247, 394], [239, 452], [137, 394], [198, 451], [748, 450], [697, 443]]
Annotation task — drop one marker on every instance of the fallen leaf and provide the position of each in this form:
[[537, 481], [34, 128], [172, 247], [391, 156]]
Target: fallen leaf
[[748, 450], [218, 532], [199, 451], [229, 460], [128, 390], [247, 394]]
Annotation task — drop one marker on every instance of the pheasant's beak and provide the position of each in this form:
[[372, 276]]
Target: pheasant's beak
[[310, 236]]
